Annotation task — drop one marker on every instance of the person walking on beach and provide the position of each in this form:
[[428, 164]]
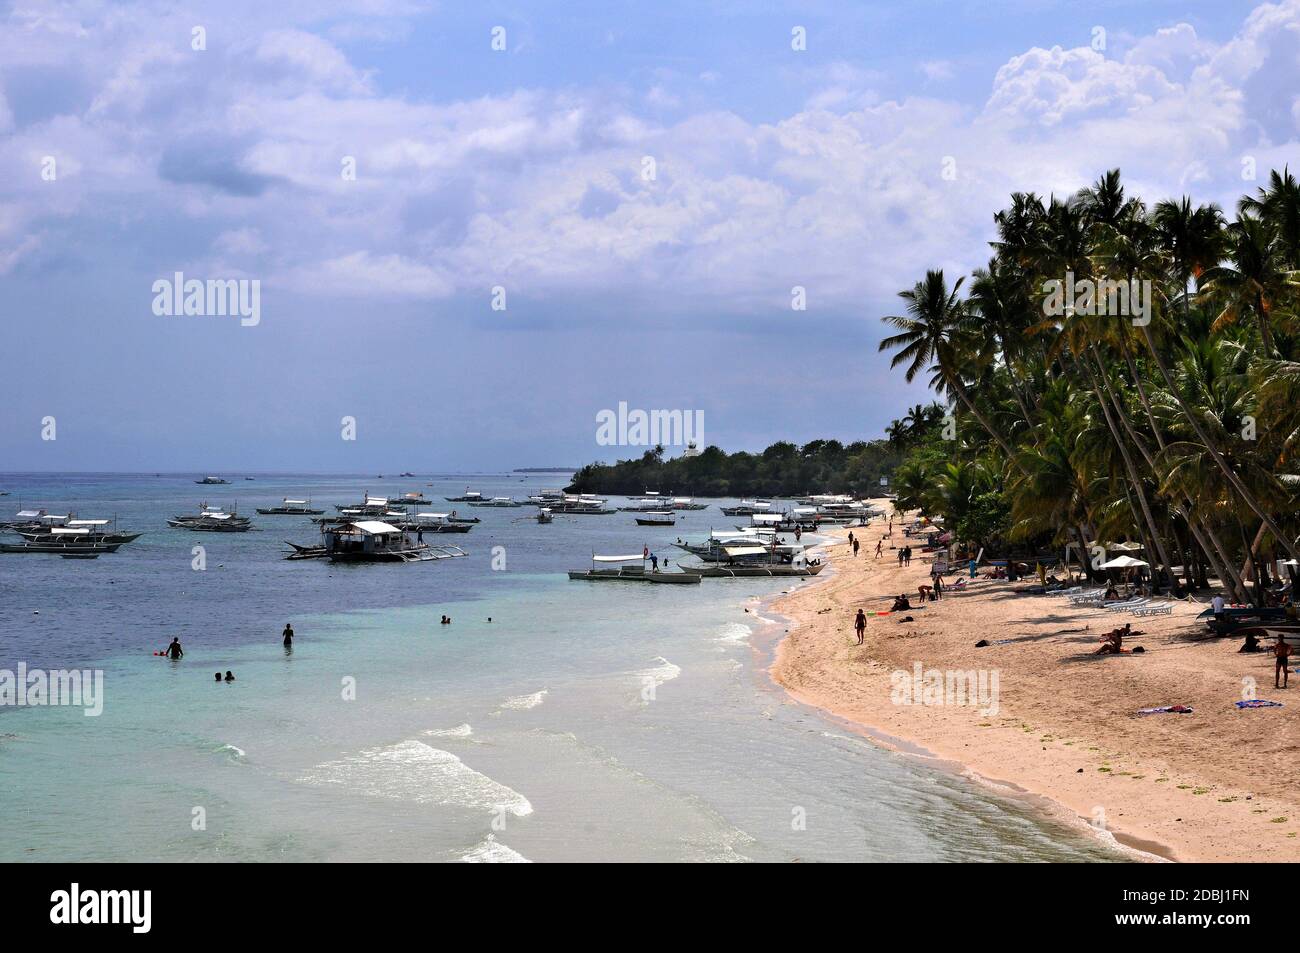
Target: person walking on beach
[[907, 555], [860, 624], [880, 548], [855, 547], [1281, 655], [174, 651], [288, 635], [851, 540], [900, 556]]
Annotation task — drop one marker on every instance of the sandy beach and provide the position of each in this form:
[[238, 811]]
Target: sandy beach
[[1219, 784]]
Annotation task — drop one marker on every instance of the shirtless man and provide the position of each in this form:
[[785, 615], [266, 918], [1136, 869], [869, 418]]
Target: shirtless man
[[1281, 656]]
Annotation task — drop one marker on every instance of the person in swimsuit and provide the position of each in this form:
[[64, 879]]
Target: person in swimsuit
[[288, 635], [174, 651], [230, 676], [860, 624], [1281, 655]]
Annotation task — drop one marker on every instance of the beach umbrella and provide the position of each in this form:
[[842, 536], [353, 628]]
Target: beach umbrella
[[1124, 547], [1123, 562]]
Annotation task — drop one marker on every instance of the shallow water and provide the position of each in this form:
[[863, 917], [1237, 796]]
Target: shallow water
[[584, 722]]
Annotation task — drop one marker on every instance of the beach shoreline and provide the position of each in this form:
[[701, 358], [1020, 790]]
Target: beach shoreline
[[1066, 735]]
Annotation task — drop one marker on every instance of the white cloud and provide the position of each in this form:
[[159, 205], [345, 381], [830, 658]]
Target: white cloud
[[542, 190]]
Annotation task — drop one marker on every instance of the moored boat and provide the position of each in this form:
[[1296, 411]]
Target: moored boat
[[290, 507], [619, 569], [653, 518]]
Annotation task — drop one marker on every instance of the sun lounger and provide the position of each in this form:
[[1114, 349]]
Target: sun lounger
[[1124, 606], [1155, 608], [1087, 595]]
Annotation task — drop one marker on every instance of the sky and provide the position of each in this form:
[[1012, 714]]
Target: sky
[[641, 186]]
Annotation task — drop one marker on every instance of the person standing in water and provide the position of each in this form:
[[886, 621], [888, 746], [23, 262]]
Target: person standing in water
[[288, 635], [174, 651]]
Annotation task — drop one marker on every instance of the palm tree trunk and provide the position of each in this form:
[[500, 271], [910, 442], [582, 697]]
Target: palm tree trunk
[[1128, 465]]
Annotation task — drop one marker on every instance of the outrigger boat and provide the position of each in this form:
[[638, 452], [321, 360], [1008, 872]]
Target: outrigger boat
[[431, 523], [371, 541], [629, 573], [63, 542], [747, 508], [370, 506], [88, 531], [582, 506], [211, 481], [656, 518], [735, 568], [212, 520], [544, 515], [686, 503], [290, 507], [469, 497], [504, 502]]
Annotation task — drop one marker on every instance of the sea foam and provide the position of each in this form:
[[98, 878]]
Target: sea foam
[[665, 671], [414, 771], [460, 731], [524, 702], [490, 851]]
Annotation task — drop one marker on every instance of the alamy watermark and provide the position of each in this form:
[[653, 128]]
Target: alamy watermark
[[179, 295], [951, 688], [37, 687], [642, 428], [1098, 298]]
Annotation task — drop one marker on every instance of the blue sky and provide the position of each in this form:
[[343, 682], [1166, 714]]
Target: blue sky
[[775, 168]]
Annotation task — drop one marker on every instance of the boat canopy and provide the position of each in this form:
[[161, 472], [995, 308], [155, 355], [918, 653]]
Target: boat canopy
[[619, 559], [767, 517], [289, 502], [808, 510], [744, 550], [432, 516], [88, 522], [22, 513], [376, 500], [373, 527], [60, 531]]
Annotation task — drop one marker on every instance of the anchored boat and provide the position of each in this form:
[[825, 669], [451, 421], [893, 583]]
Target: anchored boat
[[290, 507], [618, 568]]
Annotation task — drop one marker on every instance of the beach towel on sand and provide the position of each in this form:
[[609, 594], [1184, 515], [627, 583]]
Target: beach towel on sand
[[1258, 703], [1166, 710]]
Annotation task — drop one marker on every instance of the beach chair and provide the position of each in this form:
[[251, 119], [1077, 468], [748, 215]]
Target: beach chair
[[1154, 608], [1125, 606], [1088, 595]]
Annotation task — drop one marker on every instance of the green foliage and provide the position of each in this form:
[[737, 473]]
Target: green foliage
[[782, 470]]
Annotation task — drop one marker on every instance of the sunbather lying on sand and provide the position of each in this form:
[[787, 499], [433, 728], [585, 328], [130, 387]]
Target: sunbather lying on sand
[[1113, 641]]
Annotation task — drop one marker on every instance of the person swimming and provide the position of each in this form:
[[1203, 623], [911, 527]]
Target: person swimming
[[217, 676], [230, 676]]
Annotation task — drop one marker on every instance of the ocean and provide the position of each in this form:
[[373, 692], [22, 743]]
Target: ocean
[[552, 720]]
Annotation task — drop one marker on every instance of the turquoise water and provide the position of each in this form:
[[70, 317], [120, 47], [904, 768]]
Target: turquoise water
[[584, 722]]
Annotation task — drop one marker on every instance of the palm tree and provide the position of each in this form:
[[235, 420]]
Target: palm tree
[[1278, 206], [932, 334], [1254, 282]]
